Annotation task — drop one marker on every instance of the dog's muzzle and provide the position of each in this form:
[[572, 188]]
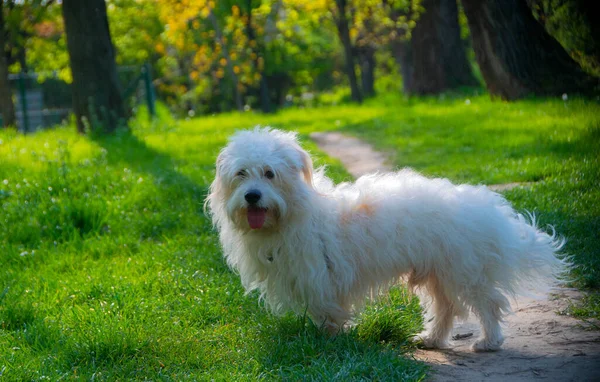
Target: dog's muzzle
[[256, 215], [252, 196]]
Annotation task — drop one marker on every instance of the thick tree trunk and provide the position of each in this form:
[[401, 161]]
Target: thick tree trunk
[[400, 46], [366, 58], [516, 55], [7, 106], [579, 18], [265, 101], [344, 34], [439, 59], [96, 94], [402, 55]]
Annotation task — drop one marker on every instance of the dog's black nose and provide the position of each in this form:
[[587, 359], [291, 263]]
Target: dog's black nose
[[252, 196]]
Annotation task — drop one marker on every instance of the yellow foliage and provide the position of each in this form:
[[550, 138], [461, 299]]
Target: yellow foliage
[[261, 64], [223, 62], [220, 73], [160, 48], [204, 12], [236, 69]]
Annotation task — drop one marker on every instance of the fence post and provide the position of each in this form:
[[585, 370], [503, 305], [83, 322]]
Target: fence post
[[23, 95], [149, 90]]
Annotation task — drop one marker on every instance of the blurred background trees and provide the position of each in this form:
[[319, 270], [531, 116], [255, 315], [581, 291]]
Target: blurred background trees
[[211, 56]]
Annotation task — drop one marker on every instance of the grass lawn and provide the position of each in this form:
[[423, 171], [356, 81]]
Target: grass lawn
[[109, 269]]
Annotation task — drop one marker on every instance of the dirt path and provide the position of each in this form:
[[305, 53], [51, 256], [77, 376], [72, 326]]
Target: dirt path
[[540, 343]]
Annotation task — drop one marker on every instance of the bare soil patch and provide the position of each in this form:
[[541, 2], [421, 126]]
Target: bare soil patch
[[542, 341]]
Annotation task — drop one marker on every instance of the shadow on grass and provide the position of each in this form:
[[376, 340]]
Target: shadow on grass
[[127, 150]]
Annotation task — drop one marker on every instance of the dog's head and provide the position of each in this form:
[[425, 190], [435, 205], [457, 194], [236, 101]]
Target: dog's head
[[263, 178]]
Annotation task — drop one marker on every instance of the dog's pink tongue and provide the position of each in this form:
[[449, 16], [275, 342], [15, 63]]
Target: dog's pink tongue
[[256, 217]]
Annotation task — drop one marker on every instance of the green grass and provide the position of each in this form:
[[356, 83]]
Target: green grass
[[109, 269]]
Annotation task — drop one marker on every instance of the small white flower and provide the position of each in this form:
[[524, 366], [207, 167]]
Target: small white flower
[[5, 181], [565, 97], [246, 107], [467, 101]]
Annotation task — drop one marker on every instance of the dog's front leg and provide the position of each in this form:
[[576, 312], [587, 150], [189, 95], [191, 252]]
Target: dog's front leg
[[330, 322]]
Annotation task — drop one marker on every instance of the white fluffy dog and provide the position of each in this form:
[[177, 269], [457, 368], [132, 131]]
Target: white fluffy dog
[[310, 246]]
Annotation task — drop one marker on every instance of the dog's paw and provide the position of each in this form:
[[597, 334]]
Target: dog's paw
[[486, 344], [428, 342], [332, 329]]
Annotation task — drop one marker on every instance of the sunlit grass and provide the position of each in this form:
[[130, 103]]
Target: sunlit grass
[[110, 270]]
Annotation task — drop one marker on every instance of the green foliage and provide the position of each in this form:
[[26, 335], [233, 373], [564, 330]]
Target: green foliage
[[31, 28], [135, 28]]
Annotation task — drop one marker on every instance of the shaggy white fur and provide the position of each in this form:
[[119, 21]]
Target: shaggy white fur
[[310, 246]]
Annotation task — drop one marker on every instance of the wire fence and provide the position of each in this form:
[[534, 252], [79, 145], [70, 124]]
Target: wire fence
[[44, 100]]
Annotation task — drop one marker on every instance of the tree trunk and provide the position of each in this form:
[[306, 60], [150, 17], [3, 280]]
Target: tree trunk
[[7, 106], [344, 34], [439, 59], [96, 94], [236, 92], [366, 57], [516, 55], [401, 50], [265, 102], [576, 18], [400, 46]]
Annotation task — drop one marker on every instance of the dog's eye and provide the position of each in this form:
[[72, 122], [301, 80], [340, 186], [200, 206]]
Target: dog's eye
[[269, 174], [241, 173]]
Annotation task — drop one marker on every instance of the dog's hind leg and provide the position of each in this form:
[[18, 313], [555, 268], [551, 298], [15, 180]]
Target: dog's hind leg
[[441, 313], [489, 306]]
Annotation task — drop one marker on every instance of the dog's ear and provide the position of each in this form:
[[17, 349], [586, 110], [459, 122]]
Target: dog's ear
[[307, 167], [219, 163]]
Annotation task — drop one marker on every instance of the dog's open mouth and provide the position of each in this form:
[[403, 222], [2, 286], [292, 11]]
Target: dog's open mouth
[[256, 217]]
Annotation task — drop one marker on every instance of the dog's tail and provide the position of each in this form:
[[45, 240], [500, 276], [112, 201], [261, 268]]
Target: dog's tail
[[539, 262]]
